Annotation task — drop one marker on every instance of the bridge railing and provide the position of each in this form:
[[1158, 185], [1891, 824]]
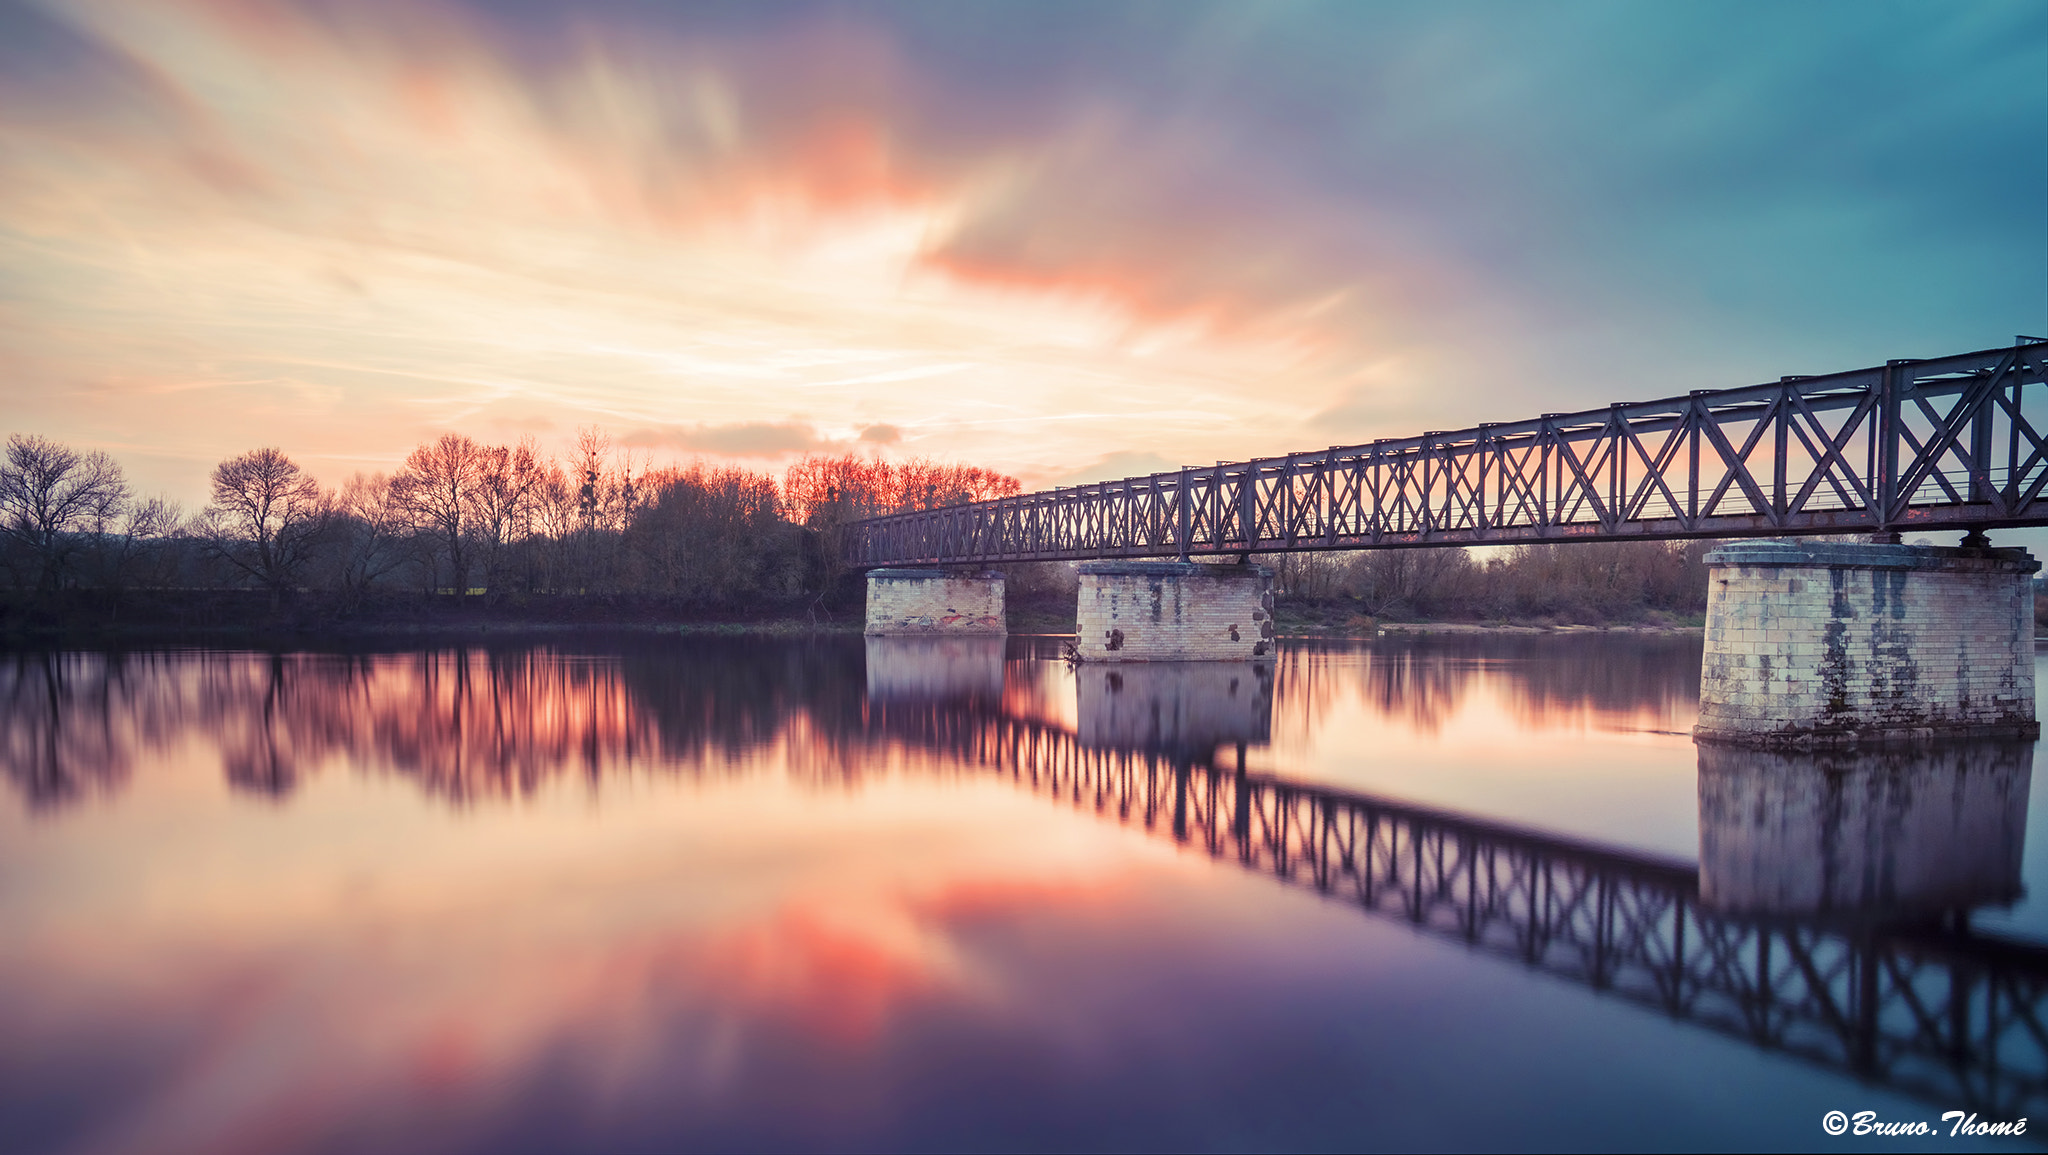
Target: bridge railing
[[1907, 446]]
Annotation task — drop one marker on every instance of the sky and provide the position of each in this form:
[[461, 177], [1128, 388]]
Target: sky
[[1065, 240]]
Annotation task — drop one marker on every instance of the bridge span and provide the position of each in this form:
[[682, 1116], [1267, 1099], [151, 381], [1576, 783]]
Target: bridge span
[[1806, 645], [1912, 445]]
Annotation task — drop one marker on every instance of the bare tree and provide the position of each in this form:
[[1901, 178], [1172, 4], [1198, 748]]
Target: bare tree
[[712, 534], [608, 495], [505, 498], [593, 446], [556, 514], [137, 554], [51, 494], [438, 488], [372, 527], [1310, 576], [267, 517], [1390, 579]]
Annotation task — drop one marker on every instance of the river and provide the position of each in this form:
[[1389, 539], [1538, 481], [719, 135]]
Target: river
[[740, 894]]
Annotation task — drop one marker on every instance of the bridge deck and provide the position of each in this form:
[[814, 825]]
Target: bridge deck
[[1910, 446]]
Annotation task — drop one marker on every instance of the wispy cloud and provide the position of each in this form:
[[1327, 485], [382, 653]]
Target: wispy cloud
[[739, 439]]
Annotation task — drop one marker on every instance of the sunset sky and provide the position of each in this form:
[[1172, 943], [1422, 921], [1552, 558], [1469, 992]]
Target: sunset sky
[[1068, 241]]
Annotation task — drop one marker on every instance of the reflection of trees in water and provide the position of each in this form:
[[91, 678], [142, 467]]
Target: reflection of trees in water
[[76, 722], [498, 722], [1310, 681], [467, 723], [1647, 683], [1546, 682]]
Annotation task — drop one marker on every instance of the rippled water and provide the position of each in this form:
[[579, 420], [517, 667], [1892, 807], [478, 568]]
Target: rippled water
[[1452, 893]]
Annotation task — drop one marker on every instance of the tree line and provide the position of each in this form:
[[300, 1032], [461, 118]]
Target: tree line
[[1580, 582], [460, 519], [467, 522]]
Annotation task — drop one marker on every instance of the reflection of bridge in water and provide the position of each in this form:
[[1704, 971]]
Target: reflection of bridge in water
[[1861, 961]]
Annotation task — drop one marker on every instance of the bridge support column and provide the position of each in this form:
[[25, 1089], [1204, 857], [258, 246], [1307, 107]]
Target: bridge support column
[[1152, 611], [1833, 645], [932, 601]]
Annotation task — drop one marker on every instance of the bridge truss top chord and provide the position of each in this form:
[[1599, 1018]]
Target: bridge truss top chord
[[1952, 442]]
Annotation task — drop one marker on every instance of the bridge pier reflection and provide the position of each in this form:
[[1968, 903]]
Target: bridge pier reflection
[[1826, 920], [1174, 707], [964, 670], [1892, 835]]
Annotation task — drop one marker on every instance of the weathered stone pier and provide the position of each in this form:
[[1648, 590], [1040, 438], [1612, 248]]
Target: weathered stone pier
[[1822, 644], [934, 602], [1163, 611]]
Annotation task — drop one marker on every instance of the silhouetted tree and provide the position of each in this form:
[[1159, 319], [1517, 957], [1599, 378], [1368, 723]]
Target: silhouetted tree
[[439, 488], [503, 506], [371, 533], [267, 517], [140, 553], [51, 496], [714, 535]]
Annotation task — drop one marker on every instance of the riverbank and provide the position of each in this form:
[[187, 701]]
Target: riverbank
[[1520, 628], [251, 618], [214, 617], [1339, 618]]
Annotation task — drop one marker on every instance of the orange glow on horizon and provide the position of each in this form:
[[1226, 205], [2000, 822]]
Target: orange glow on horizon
[[343, 235]]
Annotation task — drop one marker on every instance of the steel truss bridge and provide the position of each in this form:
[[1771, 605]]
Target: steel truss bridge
[[1949, 443], [1953, 1018]]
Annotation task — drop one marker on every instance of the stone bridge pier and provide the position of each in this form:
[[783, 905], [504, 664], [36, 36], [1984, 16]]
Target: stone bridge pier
[[1164, 611], [1820, 644], [934, 603]]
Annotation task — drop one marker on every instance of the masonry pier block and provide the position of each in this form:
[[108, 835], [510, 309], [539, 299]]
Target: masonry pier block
[[1150, 611], [1813, 644], [932, 601]]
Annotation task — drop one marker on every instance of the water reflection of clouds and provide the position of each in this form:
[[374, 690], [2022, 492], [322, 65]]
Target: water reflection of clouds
[[692, 888], [1582, 735], [361, 960], [1039, 687]]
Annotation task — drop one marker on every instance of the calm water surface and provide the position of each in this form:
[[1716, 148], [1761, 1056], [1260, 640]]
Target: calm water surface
[[737, 895]]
